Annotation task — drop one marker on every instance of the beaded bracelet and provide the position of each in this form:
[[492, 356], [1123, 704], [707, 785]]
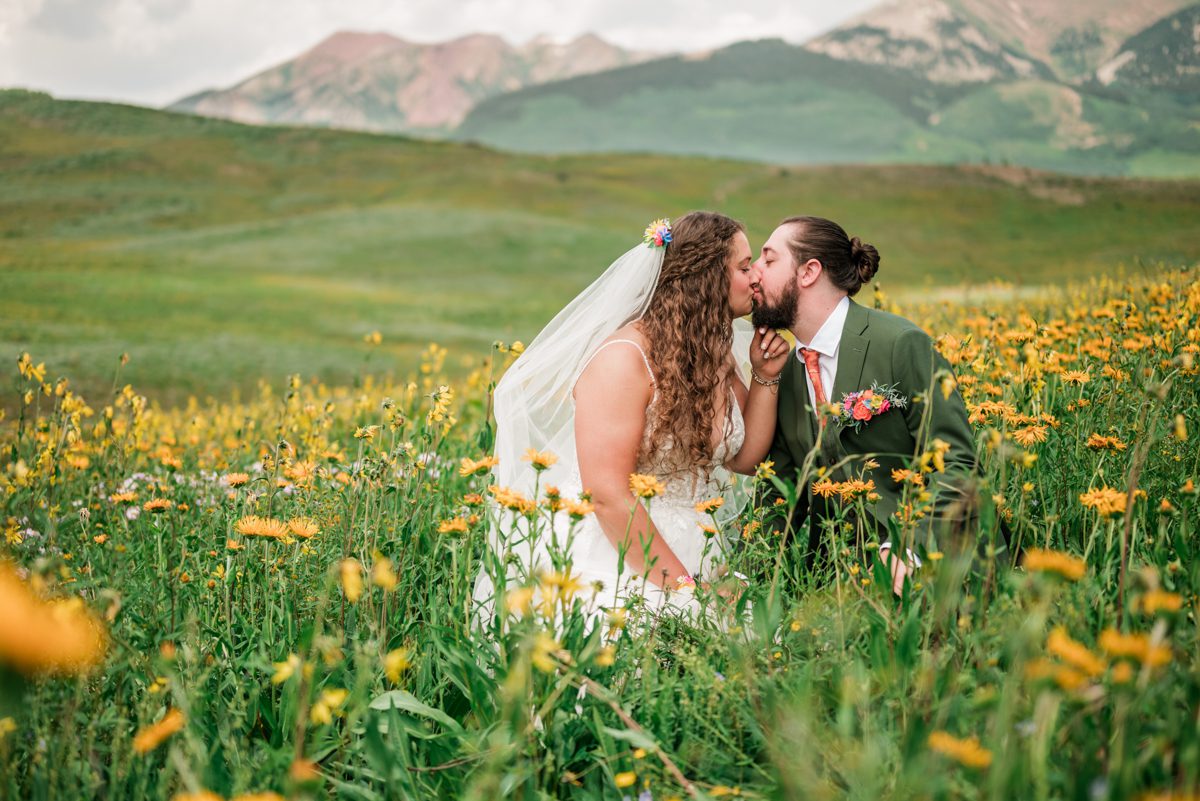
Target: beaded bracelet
[[765, 383]]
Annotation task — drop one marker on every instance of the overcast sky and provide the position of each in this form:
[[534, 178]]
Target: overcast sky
[[155, 51]]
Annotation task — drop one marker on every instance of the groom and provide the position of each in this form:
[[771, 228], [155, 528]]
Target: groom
[[809, 269]]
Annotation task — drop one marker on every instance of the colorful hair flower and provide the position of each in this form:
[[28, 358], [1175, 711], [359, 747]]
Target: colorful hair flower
[[658, 233]]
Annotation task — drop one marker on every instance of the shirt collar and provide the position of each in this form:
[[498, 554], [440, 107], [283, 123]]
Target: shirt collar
[[829, 335]]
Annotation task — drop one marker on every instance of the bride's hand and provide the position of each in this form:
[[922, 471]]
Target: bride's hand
[[768, 352]]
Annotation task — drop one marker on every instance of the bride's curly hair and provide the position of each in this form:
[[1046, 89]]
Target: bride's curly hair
[[689, 328]]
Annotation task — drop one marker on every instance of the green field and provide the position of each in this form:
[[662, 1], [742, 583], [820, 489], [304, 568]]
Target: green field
[[216, 253]]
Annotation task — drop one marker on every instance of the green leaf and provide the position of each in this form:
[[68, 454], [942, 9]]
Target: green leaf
[[407, 702]]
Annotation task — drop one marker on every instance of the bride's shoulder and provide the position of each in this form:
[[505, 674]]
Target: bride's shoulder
[[622, 357], [632, 332]]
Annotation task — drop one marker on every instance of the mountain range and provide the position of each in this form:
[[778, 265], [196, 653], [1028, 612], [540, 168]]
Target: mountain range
[[380, 82], [1107, 87]]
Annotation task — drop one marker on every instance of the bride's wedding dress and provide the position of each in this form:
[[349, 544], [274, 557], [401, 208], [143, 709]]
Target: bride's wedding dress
[[595, 562], [674, 514]]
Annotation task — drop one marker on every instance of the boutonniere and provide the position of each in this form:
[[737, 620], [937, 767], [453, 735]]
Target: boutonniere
[[859, 408]]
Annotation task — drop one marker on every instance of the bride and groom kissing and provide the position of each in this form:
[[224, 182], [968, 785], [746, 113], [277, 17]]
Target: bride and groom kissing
[[637, 388]]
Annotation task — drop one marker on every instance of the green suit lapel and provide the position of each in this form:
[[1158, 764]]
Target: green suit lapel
[[852, 354]]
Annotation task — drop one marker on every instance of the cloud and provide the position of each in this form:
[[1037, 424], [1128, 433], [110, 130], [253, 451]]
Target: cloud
[[156, 51], [74, 19]]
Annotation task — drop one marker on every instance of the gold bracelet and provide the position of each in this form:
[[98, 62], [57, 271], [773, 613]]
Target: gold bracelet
[[758, 380]]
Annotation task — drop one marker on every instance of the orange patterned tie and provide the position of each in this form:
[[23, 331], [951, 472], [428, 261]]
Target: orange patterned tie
[[811, 363]]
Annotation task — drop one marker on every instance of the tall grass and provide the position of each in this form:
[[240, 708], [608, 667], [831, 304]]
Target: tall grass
[[348, 662]]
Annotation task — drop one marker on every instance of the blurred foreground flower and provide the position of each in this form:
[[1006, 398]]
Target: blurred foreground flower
[[968, 752], [154, 735], [36, 635], [1045, 561]]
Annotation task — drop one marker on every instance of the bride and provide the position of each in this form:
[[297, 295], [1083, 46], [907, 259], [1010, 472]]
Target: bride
[[638, 377]]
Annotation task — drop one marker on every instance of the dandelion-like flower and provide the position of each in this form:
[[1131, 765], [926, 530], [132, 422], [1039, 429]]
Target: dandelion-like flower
[[1047, 561], [658, 233], [236, 480], [541, 460], [646, 486], [395, 663], [1106, 501], [154, 735], [965, 751], [304, 528], [472, 467], [1075, 654], [36, 635], [157, 505], [1135, 646], [1156, 601], [352, 582], [266, 527]]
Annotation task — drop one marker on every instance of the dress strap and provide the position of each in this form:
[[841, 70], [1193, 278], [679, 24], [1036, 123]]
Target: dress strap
[[645, 361]]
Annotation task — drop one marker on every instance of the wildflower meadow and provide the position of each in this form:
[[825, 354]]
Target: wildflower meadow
[[272, 597]]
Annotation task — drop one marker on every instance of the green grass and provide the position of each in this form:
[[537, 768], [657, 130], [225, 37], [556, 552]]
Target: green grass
[[831, 688], [216, 253]]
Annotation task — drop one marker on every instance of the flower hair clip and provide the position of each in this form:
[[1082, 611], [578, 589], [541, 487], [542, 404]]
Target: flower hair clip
[[658, 233]]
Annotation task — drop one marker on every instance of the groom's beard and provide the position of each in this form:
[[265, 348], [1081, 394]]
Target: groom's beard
[[780, 313]]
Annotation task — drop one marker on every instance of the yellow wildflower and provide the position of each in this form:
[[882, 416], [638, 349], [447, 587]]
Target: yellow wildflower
[[544, 648], [1160, 601], [382, 574], [471, 467], [150, 737], [645, 486], [352, 583], [156, 505], [1074, 653], [541, 460], [967, 751], [395, 663], [327, 705], [236, 480], [626, 779], [255, 526], [286, 669], [1099, 442], [709, 506], [1105, 501], [36, 635], [455, 525], [1136, 646], [303, 527], [519, 600], [1047, 561]]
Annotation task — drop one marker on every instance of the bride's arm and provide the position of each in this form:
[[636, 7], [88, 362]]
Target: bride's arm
[[610, 414], [768, 354]]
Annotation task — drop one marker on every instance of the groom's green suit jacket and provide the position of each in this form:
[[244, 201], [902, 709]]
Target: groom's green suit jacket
[[882, 348]]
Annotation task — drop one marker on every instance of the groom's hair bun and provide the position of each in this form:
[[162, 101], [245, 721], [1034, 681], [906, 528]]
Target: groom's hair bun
[[866, 258], [849, 263]]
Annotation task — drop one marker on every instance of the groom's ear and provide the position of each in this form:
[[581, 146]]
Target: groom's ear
[[810, 271]]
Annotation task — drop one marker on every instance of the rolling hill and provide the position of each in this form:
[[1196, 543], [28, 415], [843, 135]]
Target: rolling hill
[[774, 102], [215, 252]]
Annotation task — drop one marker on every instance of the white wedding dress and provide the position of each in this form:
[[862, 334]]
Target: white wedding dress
[[594, 559]]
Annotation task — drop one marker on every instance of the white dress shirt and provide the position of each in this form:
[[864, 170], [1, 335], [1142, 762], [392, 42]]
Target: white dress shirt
[[826, 342]]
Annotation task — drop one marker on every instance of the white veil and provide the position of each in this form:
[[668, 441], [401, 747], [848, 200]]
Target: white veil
[[533, 403]]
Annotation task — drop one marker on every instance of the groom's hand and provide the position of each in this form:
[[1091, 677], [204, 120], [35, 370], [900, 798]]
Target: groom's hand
[[767, 352]]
